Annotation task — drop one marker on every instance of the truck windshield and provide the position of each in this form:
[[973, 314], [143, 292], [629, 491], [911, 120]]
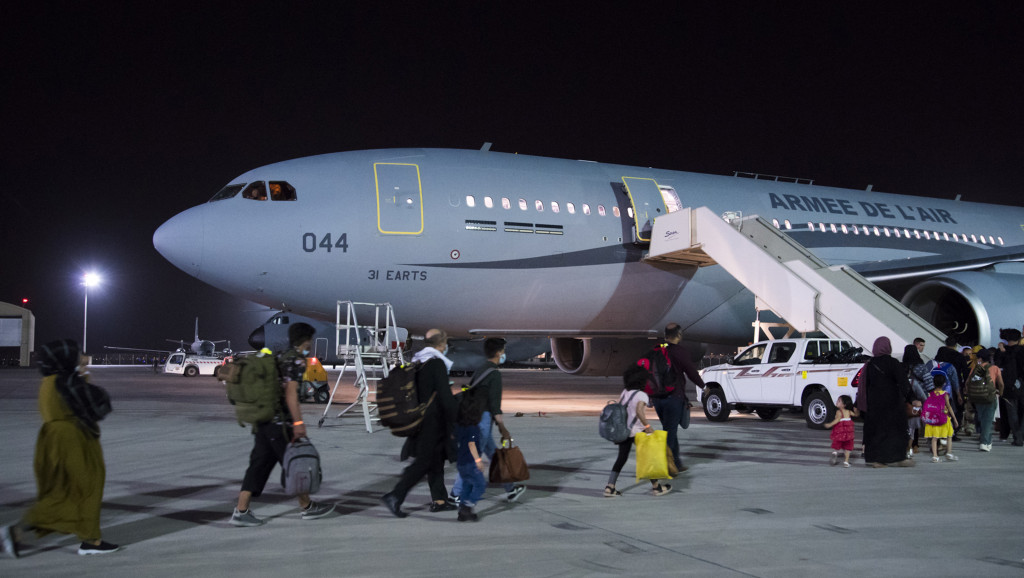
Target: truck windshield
[[751, 356]]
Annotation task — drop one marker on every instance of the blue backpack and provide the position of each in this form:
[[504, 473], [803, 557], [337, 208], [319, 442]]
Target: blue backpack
[[613, 426]]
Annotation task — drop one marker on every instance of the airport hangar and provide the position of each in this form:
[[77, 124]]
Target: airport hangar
[[17, 334]]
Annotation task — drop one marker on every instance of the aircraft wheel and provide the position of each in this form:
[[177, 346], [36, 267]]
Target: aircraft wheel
[[191, 371], [715, 406], [768, 413], [819, 410]]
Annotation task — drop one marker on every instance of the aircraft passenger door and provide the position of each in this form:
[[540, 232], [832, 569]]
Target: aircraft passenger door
[[648, 204], [399, 198]]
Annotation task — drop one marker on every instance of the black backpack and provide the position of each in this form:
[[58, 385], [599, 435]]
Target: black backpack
[[661, 379], [398, 402]]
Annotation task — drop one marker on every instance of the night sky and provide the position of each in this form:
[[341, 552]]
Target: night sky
[[115, 117]]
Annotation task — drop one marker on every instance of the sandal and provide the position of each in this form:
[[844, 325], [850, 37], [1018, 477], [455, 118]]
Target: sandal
[[611, 492], [661, 490]]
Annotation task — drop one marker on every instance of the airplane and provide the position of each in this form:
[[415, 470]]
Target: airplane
[[201, 347], [483, 243]]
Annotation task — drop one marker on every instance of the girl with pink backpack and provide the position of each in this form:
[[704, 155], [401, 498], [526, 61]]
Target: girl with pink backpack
[[938, 418]]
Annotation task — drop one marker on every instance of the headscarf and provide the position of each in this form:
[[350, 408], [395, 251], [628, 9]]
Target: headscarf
[[881, 347], [88, 402], [911, 356], [427, 353]]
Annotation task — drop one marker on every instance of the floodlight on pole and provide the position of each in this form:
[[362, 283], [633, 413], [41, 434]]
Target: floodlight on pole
[[89, 280]]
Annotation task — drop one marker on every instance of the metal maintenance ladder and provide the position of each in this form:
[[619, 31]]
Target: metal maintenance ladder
[[356, 343], [786, 278]]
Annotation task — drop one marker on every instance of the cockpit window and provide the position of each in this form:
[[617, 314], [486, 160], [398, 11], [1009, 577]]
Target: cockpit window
[[256, 191], [281, 191], [227, 192]]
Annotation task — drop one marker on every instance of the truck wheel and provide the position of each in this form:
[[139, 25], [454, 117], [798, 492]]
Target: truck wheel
[[191, 371], [768, 413], [715, 406], [819, 410]]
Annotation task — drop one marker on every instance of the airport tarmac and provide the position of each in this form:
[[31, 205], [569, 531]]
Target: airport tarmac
[[759, 499]]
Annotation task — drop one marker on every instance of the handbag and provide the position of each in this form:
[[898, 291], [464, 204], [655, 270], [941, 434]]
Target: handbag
[[673, 471], [508, 466], [652, 455]]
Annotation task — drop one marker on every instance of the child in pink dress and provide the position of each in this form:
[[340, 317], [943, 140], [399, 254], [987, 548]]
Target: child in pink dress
[[842, 430]]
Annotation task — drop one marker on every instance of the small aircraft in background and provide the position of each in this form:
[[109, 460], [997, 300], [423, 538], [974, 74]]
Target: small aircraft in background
[[201, 347]]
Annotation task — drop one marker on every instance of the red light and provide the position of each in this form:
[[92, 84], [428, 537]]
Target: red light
[[314, 361], [24, 301]]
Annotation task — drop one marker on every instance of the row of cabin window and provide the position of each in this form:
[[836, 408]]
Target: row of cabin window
[[570, 208], [879, 231]]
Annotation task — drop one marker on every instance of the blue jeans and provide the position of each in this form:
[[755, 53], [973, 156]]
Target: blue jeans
[[670, 413], [473, 484], [487, 448], [986, 414]]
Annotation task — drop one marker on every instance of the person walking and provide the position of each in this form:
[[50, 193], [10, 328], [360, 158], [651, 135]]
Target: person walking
[[69, 468], [674, 410], [271, 438], [433, 444], [882, 397], [635, 401], [487, 384], [984, 387]]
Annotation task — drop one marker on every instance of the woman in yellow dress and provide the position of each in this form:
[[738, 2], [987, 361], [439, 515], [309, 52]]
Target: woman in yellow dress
[[69, 467]]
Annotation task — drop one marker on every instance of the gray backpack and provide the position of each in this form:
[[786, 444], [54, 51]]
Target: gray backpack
[[300, 468], [613, 426]]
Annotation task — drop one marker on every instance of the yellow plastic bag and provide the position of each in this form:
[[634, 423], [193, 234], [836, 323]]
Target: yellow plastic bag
[[652, 455]]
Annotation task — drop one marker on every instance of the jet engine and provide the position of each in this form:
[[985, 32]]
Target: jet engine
[[970, 305], [597, 356]]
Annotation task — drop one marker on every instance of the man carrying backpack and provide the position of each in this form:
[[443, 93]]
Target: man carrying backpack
[[674, 410], [433, 443], [271, 438], [489, 386]]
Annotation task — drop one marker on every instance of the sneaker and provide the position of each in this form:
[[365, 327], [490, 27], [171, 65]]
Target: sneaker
[[316, 510], [7, 539], [87, 549], [466, 514], [834, 459], [935, 459], [454, 500], [661, 489], [245, 519], [951, 458], [444, 506], [984, 447], [846, 464], [515, 493]]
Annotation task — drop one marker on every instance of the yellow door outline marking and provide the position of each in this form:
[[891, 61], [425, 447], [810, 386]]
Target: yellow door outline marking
[[419, 187], [632, 201]]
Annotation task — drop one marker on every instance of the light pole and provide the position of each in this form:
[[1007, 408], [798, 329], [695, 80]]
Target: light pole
[[89, 280]]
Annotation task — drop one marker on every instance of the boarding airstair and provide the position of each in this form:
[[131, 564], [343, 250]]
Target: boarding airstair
[[367, 351], [786, 278]]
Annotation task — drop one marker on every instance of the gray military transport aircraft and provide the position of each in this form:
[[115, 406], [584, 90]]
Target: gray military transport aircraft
[[488, 243]]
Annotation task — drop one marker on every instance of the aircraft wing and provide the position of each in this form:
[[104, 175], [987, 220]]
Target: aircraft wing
[[905, 269], [138, 349]]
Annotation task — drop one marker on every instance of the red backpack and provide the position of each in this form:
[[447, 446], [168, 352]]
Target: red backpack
[[934, 410]]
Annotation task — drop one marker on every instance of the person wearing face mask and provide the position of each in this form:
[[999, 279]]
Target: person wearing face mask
[[487, 383], [433, 443], [271, 438]]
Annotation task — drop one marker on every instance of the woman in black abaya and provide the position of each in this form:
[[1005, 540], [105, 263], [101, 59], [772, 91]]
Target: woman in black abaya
[[885, 422]]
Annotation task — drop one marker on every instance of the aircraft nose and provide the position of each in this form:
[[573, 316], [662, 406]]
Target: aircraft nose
[[180, 240]]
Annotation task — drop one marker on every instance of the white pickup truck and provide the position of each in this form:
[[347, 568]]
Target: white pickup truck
[[770, 376]]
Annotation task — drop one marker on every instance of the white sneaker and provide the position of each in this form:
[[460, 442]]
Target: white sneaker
[[951, 458], [985, 447]]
